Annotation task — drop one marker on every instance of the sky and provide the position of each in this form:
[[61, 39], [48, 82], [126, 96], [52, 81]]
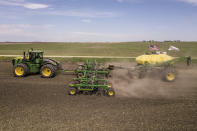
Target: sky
[[97, 20]]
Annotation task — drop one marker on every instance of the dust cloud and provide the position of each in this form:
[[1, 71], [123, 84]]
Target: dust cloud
[[152, 86]]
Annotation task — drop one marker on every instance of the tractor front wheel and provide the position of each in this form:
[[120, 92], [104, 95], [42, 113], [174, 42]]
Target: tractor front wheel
[[47, 71], [20, 70]]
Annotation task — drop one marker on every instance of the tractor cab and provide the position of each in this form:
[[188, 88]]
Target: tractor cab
[[35, 56]]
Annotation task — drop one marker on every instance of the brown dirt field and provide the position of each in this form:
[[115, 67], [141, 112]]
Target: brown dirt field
[[34, 103]]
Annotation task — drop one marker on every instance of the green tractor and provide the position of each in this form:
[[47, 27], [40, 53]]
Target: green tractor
[[33, 62]]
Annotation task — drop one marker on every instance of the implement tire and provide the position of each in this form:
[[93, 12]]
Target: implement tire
[[47, 71], [111, 92], [72, 91], [169, 75], [20, 70]]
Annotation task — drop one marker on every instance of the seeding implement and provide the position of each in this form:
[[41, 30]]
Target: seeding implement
[[33, 62], [91, 79], [163, 64], [91, 86], [89, 69]]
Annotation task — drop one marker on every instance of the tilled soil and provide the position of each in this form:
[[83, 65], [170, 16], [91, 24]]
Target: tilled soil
[[34, 103]]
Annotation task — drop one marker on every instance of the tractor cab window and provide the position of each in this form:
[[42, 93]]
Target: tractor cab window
[[31, 56], [35, 55], [39, 55]]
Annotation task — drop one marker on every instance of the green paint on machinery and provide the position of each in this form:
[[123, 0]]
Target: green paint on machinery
[[33, 62], [90, 86], [91, 79], [89, 69]]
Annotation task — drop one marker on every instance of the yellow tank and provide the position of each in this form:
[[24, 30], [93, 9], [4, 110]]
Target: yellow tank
[[153, 59]]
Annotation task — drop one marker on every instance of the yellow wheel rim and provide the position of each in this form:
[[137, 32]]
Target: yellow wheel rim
[[111, 93], [72, 92], [46, 71], [19, 71], [170, 76]]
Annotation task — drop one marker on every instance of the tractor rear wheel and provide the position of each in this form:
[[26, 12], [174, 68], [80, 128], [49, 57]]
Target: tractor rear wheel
[[20, 70], [72, 91], [111, 92], [47, 71]]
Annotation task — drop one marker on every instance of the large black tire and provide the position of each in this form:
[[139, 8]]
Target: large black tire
[[142, 74], [20, 70], [169, 75], [72, 91], [142, 71], [59, 66], [47, 71]]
